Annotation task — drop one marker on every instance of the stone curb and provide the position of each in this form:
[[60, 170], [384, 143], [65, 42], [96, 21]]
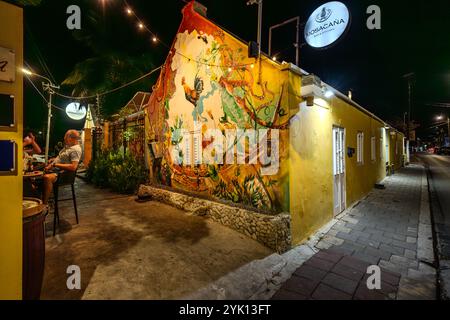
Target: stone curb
[[443, 265], [272, 231], [417, 285], [425, 250]]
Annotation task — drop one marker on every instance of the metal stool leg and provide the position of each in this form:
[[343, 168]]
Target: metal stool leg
[[56, 213], [74, 202]]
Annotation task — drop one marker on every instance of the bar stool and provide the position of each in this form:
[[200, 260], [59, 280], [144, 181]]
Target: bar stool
[[66, 178]]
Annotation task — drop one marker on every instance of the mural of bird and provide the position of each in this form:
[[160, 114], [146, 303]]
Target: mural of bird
[[192, 95]]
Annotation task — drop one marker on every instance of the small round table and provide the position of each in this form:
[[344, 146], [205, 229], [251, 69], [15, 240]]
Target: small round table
[[33, 174], [33, 260]]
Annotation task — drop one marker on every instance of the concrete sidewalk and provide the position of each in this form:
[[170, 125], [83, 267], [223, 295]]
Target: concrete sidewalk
[[390, 228]]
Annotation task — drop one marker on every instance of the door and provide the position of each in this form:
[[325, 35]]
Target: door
[[339, 169]]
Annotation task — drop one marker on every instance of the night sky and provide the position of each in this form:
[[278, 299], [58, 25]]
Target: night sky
[[414, 37]]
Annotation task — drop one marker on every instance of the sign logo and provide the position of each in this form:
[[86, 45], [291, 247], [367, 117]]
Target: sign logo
[[7, 65], [324, 15], [327, 24], [3, 65], [76, 111]]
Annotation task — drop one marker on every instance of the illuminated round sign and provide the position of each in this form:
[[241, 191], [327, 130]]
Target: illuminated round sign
[[76, 111], [327, 24]]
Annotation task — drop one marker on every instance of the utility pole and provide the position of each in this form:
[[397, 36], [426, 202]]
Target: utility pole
[[409, 78], [48, 86], [404, 121], [260, 8], [259, 36]]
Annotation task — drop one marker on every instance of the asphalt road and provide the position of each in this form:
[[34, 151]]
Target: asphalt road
[[439, 174]]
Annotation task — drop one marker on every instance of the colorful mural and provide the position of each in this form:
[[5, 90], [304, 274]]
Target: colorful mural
[[209, 83]]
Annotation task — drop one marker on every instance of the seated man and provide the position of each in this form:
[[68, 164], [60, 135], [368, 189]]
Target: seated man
[[67, 160]]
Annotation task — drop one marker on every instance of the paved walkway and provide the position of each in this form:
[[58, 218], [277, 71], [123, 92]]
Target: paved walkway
[[131, 250], [389, 228]]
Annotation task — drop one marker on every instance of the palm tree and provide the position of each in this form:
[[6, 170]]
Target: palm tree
[[116, 60], [108, 71]]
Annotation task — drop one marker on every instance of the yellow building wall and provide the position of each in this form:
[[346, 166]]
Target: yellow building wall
[[311, 162], [11, 36], [253, 95], [310, 165], [360, 178]]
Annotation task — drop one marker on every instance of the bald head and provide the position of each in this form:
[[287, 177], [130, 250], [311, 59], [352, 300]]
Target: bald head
[[71, 137]]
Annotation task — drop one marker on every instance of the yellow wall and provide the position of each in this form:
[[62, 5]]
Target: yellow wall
[[11, 36], [311, 161]]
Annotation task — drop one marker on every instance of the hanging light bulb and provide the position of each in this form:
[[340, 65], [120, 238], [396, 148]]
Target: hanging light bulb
[[274, 58], [141, 25], [129, 11], [155, 39], [252, 66]]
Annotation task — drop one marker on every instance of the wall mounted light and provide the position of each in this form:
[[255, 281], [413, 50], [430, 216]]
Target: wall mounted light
[[328, 94]]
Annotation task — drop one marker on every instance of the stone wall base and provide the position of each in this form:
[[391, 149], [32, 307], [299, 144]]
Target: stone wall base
[[272, 231]]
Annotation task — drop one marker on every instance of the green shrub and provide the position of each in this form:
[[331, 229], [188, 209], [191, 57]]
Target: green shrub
[[113, 170]]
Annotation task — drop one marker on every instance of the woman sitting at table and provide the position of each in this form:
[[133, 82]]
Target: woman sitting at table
[[67, 160], [30, 145]]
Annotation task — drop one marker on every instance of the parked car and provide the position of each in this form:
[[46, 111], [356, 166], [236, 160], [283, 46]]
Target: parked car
[[444, 151]]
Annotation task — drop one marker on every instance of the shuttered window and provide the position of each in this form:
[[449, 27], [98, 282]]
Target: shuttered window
[[360, 148]]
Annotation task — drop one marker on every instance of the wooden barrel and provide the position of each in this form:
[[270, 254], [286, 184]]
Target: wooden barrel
[[33, 248]]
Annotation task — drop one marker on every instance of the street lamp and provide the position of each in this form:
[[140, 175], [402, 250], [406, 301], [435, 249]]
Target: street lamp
[[328, 94], [48, 86]]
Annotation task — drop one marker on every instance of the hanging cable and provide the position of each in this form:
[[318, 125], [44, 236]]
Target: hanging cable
[[141, 25], [40, 93], [110, 91], [38, 54]]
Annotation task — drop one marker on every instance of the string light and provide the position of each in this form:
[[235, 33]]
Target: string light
[[274, 58], [252, 66], [154, 39]]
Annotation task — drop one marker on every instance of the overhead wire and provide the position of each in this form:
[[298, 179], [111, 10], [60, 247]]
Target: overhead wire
[[38, 54], [110, 91], [130, 10], [42, 95]]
